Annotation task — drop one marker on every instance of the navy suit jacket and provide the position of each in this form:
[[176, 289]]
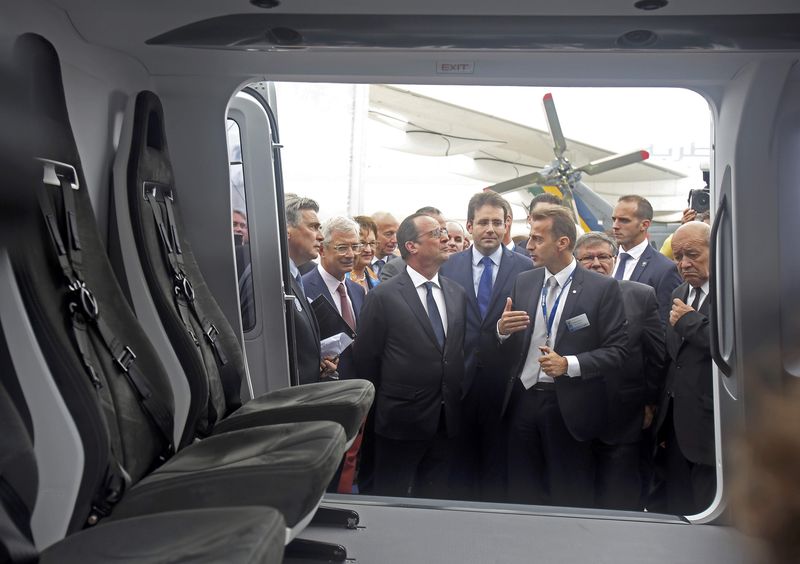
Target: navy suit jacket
[[315, 287], [522, 250], [601, 347], [479, 341], [656, 270], [415, 379], [306, 337]]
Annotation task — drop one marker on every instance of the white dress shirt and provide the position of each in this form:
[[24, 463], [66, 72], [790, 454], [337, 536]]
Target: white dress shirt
[[635, 253], [531, 370], [693, 291], [438, 296], [477, 266], [333, 284]]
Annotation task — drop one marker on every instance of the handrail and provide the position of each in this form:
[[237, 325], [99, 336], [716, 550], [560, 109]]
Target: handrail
[[716, 353]]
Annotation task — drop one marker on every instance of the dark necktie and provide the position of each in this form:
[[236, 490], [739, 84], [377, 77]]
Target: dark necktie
[[377, 266], [433, 315], [623, 258], [485, 286], [299, 280], [698, 293], [347, 309]]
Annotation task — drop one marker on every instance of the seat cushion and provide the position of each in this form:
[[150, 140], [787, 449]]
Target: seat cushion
[[282, 466], [236, 535], [346, 402]]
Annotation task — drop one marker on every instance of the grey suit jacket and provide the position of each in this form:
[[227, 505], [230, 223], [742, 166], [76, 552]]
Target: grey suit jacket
[[393, 268], [414, 378]]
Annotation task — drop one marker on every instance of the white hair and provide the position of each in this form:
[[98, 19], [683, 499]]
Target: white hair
[[339, 224]]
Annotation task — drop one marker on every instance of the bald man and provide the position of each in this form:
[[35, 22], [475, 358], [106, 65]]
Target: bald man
[[686, 416]]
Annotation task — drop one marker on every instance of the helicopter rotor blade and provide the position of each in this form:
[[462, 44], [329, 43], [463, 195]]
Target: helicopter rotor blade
[[614, 161], [518, 183], [559, 143]]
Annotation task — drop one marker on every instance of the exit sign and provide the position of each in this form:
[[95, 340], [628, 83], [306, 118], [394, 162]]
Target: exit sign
[[455, 68]]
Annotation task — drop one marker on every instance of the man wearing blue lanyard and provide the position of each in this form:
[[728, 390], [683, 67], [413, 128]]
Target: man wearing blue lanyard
[[565, 328]]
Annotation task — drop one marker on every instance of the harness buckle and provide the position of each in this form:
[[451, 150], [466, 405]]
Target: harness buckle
[[83, 297], [212, 333], [125, 359], [183, 285], [55, 170]]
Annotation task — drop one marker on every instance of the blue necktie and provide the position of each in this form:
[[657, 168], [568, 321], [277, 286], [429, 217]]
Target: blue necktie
[[623, 258], [299, 280], [377, 266], [485, 286], [433, 315]]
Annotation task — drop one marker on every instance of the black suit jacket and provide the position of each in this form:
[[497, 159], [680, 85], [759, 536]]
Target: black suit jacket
[[642, 376], [600, 347], [691, 382], [479, 343], [306, 337], [397, 351], [315, 287], [659, 272]]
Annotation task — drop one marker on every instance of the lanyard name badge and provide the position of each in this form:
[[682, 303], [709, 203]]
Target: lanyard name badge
[[548, 319]]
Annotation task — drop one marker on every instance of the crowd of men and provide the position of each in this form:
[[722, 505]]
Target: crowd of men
[[564, 370]]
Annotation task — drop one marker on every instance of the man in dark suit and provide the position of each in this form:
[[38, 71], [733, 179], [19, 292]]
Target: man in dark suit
[[398, 264], [304, 237], [686, 416], [567, 332], [340, 245], [415, 358], [487, 272], [632, 392], [637, 259]]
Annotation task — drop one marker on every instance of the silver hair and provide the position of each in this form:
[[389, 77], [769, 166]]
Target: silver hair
[[339, 225], [593, 238], [294, 205]]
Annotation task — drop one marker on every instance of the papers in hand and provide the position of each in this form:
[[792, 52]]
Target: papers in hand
[[334, 346]]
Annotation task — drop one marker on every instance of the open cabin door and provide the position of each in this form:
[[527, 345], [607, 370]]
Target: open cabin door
[[262, 264], [755, 337]]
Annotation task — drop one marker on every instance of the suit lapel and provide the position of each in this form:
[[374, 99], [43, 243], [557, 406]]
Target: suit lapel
[[503, 272], [532, 294], [463, 273], [641, 265], [356, 298], [452, 311], [410, 295], [572, 295]]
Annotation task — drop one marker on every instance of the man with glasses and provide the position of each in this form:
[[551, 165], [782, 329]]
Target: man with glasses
[[487, 272], [398, 265], [632, 392], [340, 246], [411, 346]]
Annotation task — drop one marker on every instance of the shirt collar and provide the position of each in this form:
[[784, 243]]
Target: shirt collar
[[384, 258], [331, 282], [477, 257], [563, 274], [418, 279], [637, 251], [704, 287], [293, 270]]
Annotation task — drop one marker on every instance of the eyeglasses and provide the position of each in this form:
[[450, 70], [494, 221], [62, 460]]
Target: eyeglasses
[[341, 250], [366, 244], [437, 233], [589, 259]]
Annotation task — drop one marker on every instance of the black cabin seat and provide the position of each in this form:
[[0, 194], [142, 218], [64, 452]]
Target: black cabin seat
[[105, 369], [237, 535], [148, 215]]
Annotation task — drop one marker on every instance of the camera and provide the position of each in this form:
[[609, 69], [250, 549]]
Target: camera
[[699, 199]]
